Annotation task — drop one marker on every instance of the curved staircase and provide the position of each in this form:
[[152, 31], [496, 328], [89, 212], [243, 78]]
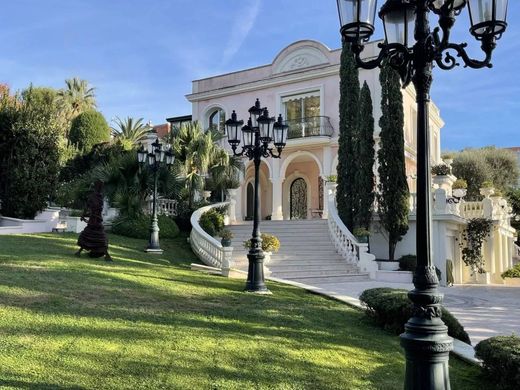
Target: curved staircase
[[307, 254]]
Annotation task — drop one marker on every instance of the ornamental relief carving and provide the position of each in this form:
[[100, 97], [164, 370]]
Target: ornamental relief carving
[[299, 59], [299, 62]]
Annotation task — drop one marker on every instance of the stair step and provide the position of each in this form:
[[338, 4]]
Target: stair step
[[343, 278]]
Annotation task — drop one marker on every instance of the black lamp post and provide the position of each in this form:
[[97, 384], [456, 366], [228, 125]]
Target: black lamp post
[[412, 48], [158, 156], [257, 136]]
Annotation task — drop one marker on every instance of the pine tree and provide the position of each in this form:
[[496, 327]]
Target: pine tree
[[364, 155], [393, 194], [348, 113]]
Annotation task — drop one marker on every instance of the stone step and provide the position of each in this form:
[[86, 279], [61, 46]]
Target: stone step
[[304, 268], [296, 273], [340, 278]]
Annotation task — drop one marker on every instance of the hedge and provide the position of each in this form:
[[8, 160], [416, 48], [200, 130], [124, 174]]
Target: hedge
[[390, 308], [140, 227], [501, 360]]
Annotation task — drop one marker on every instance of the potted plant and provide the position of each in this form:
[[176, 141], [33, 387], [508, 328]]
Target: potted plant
[[442, 176], [460, 188], [270, 244], [487, 189], [226, 236], [361, 235]]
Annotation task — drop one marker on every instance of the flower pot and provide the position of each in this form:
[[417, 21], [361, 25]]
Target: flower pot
[[444, 181], [487, 192], [226, 242], [362, 239]]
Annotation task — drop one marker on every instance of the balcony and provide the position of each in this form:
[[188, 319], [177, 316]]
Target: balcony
[[314, 126]]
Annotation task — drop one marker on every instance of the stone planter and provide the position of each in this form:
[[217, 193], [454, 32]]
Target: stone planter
[[487, 192], [207, 195], [444, 181], [512, 281], [75, 224], [386, 265]]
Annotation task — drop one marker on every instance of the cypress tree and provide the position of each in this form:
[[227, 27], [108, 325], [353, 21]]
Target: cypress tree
[[348, 114], [364, 154], [393, 194]]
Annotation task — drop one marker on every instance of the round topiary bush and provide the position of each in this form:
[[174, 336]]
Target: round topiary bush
[[139, 227], [501, 360], [88, 129], [390, 308]]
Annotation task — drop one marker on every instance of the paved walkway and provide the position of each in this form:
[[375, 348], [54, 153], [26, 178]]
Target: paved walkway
[[484, 311]]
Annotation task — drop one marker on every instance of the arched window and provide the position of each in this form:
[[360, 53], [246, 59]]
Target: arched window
[[217, 119]]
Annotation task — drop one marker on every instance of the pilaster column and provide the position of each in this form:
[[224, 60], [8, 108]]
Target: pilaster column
[[277, 212]]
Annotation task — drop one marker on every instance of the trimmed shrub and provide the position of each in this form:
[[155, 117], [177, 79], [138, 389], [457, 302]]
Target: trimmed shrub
[[212, 222], [88, 129], [390, 308], [409, 263], [501, 360], [512, 272], [139, 227]]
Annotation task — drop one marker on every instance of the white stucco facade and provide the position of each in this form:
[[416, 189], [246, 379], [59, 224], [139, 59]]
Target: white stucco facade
[[303, 70]]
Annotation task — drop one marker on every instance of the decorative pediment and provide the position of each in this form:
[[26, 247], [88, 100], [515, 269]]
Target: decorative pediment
[[301, 57]]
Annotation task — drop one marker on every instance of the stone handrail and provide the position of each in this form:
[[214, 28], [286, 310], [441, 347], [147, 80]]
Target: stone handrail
[[208, 249], [346, 244], [470, 210]]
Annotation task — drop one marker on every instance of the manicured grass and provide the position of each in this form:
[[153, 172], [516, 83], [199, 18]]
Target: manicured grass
[[146, 322]]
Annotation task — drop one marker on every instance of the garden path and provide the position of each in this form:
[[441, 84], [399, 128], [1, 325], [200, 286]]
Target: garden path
[[484, 311]]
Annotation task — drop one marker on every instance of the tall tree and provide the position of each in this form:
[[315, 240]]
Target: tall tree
[[130, 132], [486, 164], [393, 197], [77, 97], [364, 155], [348, 119]]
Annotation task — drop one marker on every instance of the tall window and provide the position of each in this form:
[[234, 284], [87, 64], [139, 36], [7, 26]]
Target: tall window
[[217, 120], [302, 113], [298, 107]]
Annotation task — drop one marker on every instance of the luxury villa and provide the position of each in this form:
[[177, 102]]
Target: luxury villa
[[302, 84]]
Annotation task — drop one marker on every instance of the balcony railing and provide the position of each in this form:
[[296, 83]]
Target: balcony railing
[[313, 126]]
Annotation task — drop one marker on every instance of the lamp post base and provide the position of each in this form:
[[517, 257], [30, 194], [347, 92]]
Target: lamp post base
[[255, 275]]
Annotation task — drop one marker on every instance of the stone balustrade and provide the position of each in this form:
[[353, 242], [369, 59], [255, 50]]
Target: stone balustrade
[[164, 206], [344, 241], [208, 249]]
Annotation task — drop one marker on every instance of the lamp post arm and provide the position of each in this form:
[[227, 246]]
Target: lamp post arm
[[446, 61]]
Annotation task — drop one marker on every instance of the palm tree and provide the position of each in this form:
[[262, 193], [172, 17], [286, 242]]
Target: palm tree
[[198, 152], [130, 132], [78, 96]]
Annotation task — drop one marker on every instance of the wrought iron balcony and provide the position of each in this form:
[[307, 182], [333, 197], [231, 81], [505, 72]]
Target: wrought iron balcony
[[313, 126]]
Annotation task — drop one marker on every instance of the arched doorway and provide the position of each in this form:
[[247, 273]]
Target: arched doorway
[[250, 201], [298, 199]]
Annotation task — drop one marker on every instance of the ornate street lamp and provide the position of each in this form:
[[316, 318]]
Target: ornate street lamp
[[412, 48], [257, 136], [158, 156]]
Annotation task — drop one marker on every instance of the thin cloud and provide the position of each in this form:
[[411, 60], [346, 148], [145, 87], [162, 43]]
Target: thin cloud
[[241, 29]]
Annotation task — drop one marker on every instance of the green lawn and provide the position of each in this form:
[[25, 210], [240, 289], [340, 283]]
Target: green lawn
[[146, 322]]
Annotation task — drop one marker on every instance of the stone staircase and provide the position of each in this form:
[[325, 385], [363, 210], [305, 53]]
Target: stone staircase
[[307, 254]]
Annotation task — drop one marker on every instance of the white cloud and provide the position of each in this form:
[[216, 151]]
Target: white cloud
[[240, 29]]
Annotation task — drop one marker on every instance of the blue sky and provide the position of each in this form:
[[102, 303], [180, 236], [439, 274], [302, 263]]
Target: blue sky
[[142, 55]]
